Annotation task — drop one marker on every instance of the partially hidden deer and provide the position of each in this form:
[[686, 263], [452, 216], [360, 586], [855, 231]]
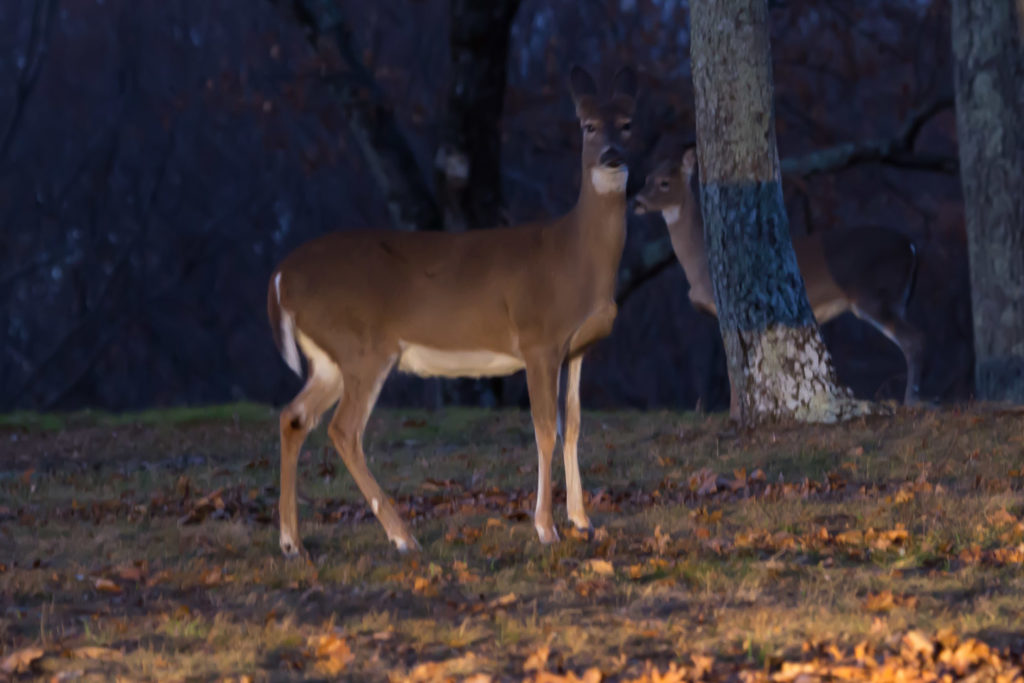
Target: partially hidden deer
[[868, 271], [483, 303]]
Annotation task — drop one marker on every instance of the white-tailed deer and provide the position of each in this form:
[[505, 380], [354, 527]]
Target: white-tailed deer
[[868, 271], [474, 304]]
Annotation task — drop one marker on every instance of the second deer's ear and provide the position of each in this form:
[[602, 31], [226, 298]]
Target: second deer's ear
[[624, 82], [689, 162], [582, 85]]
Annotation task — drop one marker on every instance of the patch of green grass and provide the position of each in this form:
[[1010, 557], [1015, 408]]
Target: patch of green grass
[[180, 415]]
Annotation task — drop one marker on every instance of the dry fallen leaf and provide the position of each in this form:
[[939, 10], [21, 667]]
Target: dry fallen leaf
[[159, 577], [502, 601], [793, 671], [107, 586], [651, 674], [702, 665], [211, 577], [916, 643], [446, 670], [592, 675], [538, 660], [599, 567], [332, 653], [20, 661], [1001, 518], [103, 654], [129, 572], [880, 602]]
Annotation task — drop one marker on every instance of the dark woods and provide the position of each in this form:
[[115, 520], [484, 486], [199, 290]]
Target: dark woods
[[159, 156]]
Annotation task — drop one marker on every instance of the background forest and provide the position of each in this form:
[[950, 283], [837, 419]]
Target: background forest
[[158, 157]]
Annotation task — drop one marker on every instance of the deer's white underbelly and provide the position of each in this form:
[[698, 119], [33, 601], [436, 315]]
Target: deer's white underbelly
[[428, 362]]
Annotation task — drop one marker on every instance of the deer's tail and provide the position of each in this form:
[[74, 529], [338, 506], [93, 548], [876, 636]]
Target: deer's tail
[[282, 326], [915, 266]]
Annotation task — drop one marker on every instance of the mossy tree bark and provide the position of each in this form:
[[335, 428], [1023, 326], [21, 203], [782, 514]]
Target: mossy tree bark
[[778, 364], [988, 48]]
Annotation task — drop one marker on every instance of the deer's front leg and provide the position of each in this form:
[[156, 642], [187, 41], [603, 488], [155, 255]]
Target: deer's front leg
[[542, 384], [573, 481]]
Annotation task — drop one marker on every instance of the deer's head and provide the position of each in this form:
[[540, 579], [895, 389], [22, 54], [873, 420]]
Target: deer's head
[[668, 188], [607, 127]]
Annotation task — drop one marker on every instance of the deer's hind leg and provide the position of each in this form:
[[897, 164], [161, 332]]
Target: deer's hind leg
[[323, 387], [362, 387], [905, 335]]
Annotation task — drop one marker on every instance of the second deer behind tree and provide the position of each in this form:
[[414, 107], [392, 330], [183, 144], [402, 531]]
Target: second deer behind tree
[[869, 271]]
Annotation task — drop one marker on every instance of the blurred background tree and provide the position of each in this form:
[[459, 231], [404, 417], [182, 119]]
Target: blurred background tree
[[988, 45]]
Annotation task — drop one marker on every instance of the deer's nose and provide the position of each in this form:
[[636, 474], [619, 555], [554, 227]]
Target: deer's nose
[[611, 157]]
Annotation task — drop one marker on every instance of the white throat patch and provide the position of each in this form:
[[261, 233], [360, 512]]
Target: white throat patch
[[670, 214], [607, 180]]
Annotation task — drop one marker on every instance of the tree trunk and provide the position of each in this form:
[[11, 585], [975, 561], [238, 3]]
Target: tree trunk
[[778, 364], [468, 161], [469, 157], [988, 49]]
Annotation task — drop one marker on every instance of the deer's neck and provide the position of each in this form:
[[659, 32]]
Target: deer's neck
[[686, 231], [599, 222]]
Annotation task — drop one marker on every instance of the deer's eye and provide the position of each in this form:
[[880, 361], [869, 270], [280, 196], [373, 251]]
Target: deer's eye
[[626, 126], [663, 184], [589, 128]]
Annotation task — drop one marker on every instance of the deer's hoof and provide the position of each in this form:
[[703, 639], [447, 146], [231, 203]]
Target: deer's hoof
[[290, 547], [546, 533], [406, 545], [583, 529]]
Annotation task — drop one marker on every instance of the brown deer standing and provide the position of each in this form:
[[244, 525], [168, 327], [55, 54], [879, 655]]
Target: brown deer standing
[[474, 304], [868, 271]]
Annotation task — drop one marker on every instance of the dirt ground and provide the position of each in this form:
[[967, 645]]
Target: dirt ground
[[145, 547]]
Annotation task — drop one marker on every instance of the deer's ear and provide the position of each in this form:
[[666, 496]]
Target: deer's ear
[[624, 82], [689, 164], [582, 85]]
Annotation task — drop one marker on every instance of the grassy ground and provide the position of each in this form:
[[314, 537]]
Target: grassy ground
[[146, 547]]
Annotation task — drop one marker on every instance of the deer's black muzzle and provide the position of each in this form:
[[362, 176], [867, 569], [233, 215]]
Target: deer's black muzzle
[[612, 157]]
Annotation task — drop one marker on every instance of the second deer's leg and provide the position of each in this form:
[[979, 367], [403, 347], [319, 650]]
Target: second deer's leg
[[362, 387], [911, 342], [542, 385], [573, 483], [906, 336]]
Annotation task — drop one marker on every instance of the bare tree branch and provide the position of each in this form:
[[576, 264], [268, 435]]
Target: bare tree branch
[[28, 74], [897, 150], [386, 149], [656, 257]]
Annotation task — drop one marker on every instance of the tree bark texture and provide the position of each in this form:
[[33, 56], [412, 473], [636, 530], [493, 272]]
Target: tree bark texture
[[778, 364], [988, 49], [469, 157]]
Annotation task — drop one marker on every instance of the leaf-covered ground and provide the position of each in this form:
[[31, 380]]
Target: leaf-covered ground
[[146, 547]]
